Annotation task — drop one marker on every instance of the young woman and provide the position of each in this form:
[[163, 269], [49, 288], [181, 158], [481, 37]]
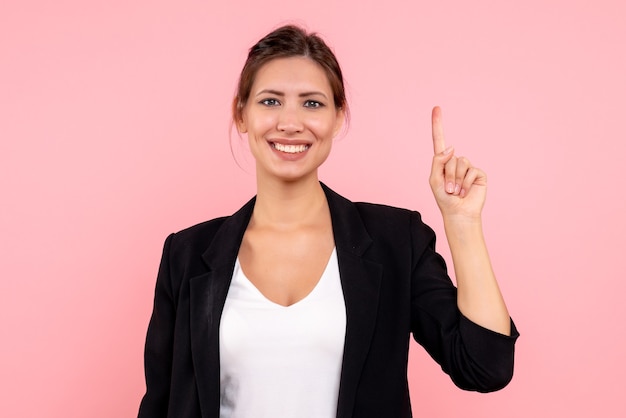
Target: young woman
[[301, 304]]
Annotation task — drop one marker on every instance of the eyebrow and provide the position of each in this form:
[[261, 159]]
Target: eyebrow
[[281, 94]]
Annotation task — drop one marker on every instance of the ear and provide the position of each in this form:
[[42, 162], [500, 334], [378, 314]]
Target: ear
[[238, 117], [241, 126], [341, 118]]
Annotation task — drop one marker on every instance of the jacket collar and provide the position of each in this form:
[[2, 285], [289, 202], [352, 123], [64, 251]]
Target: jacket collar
[[360, 280]]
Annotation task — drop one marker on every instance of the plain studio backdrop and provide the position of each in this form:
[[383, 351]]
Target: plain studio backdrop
[[114, 132]]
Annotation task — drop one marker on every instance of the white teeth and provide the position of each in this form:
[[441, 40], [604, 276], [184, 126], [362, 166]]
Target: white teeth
[[291, 149]]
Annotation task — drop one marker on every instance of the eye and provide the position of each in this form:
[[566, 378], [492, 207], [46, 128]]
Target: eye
[[270, 102], [313, 104]]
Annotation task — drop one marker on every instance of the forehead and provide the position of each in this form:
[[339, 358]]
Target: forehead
[[293, 73]]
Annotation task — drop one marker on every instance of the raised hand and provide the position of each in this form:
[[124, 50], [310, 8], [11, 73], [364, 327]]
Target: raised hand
[[460, 189]]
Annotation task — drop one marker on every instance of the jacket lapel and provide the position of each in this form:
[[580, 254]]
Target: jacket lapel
[[207, 297], [360, 280]]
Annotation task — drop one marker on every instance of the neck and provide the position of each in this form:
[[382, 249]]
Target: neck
[[289, 204]]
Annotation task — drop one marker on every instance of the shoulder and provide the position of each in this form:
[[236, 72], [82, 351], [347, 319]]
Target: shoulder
[[383, 219], [199, 232], [380, 220], [390, 228], [365, 210], [378, 211], [215, 240], [224, 227], [185, 247], [394, 223]]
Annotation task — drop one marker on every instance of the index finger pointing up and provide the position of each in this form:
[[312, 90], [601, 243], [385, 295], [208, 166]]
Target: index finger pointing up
[[439, 144]]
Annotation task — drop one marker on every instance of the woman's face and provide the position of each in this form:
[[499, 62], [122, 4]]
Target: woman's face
[[290, 119]]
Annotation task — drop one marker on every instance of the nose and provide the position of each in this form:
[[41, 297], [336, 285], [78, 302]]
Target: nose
[[289, 120]]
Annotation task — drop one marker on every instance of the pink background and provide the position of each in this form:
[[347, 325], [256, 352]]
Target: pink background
[[114, 132]]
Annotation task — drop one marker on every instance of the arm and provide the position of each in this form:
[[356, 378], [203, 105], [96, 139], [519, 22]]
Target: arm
[[159, 342], [460, 191], [475, 357]]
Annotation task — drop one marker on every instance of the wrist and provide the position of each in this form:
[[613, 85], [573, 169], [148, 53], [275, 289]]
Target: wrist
[[463, 229], [462, 220]]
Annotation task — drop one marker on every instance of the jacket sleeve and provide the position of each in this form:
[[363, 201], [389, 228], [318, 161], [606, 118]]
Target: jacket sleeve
[[475, 358], [159, 343]]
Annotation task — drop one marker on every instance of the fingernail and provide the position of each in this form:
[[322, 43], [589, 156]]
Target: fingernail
[[450, 188], [462, 193], [457, 189], [447, 151]]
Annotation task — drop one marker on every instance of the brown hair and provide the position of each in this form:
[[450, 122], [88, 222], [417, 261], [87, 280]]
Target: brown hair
[[284, 42]]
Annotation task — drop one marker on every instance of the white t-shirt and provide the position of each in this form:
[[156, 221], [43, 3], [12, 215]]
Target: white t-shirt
[[278, 361]]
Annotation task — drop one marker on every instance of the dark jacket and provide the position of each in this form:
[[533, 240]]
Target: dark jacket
[[394, 284]]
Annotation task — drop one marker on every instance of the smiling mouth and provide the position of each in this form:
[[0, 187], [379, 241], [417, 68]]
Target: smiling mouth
[[290, 149]]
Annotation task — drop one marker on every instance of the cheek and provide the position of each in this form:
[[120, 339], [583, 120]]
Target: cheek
[[259, 123], [323, 126], [265, 124]]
